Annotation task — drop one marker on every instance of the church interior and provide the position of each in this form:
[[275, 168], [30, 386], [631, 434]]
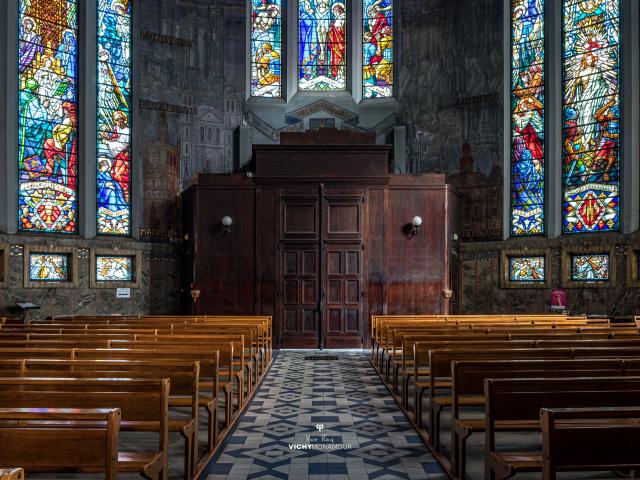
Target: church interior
[[319, 239]]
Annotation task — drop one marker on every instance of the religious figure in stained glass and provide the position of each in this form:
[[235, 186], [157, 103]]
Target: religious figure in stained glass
[[45, 267], [526, 269], [47, 121], [111, 268], [322, 45], [114, 117], [586, 268], [527, 117], [591, 130], [377, 48], [266, 48]]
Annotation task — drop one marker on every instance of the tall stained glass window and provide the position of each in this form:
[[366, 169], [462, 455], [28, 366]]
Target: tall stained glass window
[[47, 120], [266, 48], [322, 45], [527, 117], [591, 116], [114, 117], [377, 48]]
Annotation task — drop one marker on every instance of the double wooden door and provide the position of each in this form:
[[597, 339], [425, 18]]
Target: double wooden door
[[320, 252]]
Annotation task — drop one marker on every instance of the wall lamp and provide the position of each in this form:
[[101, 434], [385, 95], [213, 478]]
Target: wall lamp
[[416, 223], [227, 221]]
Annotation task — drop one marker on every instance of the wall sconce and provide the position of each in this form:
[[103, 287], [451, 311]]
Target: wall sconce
[[227, 221], [416, 222]]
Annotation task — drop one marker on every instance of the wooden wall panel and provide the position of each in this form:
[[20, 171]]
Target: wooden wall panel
[[299, 245], [416, 265]]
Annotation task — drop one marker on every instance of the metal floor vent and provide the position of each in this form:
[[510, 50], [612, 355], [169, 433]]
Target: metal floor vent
[[320, 358]]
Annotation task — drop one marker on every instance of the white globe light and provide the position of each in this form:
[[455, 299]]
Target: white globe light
[[227, 221], [417, 221]]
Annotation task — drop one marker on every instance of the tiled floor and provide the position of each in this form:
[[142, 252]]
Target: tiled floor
[[341, 409]]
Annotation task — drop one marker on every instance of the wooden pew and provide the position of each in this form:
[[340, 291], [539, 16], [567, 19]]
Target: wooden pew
[[184, 380], [587, 439], [41, 440], [143, 404], [468, 389], [401, 365], [11, 474], [518, 402], [438, 365]]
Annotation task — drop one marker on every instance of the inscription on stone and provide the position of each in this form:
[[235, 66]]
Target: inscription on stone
[[166, 107], [166, 39]]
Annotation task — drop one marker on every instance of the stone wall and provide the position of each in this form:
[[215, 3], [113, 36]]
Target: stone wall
[[159, 290], [482, 292]]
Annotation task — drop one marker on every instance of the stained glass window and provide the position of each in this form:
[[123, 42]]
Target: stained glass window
[[591, 111], [47, 117], [377, 48], [111, 268], [266, 48], [114, 117], [527, 117], [527, 269], [48, 267], [322, 45], [589, 268]]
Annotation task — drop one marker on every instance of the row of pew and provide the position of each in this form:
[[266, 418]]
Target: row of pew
[[572, 380], [117, 377]]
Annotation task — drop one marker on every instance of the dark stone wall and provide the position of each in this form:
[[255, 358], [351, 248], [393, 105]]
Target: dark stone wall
[[159, 290], [482, 291]]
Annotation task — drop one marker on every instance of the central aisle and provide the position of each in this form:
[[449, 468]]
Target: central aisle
[[341, 409]]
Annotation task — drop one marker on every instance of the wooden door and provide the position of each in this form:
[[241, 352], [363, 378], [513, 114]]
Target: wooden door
[[320, 298], [342, 268], [343, 294], [298, 299]]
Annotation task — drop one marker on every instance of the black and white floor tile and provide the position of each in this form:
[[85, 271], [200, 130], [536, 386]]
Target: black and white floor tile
[[323, 420]]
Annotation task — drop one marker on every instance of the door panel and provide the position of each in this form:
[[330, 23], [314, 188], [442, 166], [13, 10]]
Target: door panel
[[343, 287], [300, 295]]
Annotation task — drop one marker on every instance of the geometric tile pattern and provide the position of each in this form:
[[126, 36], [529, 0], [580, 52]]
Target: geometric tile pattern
[[323, 420]]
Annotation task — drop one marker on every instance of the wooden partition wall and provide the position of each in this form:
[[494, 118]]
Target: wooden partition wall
[[320, 239]]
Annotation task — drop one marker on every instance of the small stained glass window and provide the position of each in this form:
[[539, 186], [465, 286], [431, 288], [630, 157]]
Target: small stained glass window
[[112, 268], [527, 269], [48, 267], [590, 268]]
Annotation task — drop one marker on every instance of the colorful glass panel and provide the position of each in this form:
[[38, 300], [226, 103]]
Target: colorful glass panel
[[527, 269], [111, 268], [322, 45], [527, 117], [48, 267], [114, 117], [589, 268], [591, 111], [266, 48], [377, 48], [47, 116]]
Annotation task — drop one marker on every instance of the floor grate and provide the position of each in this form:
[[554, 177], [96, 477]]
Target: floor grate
[[319, 358]]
